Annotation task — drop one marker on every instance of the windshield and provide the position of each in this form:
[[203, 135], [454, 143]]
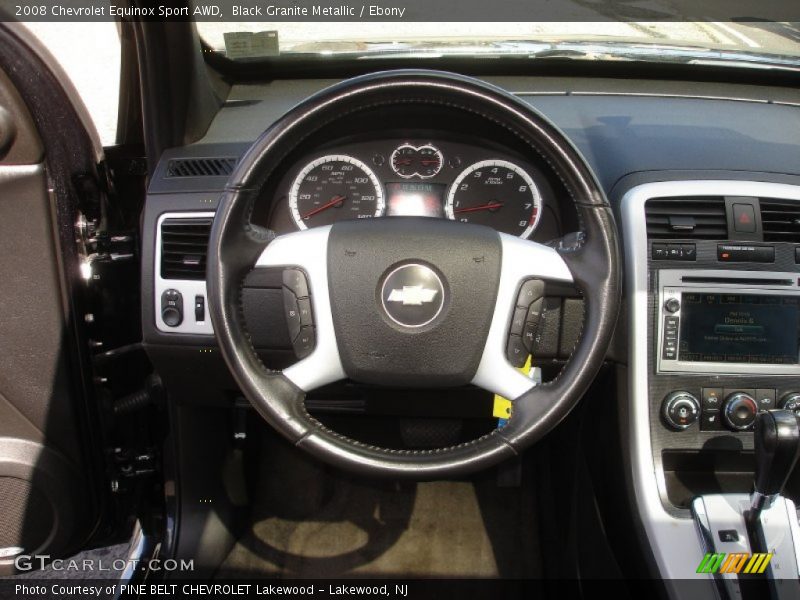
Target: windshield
[[754, 43]]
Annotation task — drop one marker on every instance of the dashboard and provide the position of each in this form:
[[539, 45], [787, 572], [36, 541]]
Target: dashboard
[[433, 175]]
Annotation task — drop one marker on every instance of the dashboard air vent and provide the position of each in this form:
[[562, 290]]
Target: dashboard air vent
[[201, 167], [780, 220], [687, 218], [184, 246]]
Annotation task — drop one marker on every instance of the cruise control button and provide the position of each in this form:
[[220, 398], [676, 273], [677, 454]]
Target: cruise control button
[[304, 343], [531, 290], [529, 335], [535, 311], [304, 308], [292, 313], [518, 320], [295, 280], [516, 351]]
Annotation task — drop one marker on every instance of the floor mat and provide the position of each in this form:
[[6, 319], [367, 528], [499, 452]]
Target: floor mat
[[369, 529]]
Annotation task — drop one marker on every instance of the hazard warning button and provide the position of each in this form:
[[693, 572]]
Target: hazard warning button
[[744, 218]]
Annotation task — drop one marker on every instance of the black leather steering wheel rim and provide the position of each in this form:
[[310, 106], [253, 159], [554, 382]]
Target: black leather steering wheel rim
[[592, 258]]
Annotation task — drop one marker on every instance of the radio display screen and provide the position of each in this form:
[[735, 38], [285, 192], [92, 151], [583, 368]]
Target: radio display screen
[[740, 328]]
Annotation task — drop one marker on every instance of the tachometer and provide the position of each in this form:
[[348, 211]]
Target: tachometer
[[333, 188], [496, 193]]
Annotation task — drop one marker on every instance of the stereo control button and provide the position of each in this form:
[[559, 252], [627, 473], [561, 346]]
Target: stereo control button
[[672, 305], [516, 351]]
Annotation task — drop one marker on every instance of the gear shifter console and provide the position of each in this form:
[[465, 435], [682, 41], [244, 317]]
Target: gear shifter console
[[763, 524], [777, 446]]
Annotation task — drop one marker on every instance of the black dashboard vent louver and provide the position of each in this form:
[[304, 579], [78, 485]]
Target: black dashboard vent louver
[[780, 220], [184, 247], [687, 218], [201, 167]]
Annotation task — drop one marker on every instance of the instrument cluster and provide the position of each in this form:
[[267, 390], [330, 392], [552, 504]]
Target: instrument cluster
[[464, 182]]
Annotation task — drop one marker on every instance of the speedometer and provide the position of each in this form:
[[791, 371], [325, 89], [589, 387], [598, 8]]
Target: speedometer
[[496, 193], [333, 188]]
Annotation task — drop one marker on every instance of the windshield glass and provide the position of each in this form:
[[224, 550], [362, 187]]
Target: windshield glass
[[749, 43]]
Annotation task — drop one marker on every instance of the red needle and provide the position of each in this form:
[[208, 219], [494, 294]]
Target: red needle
[[429, 161], [334, 201], [490, 206]]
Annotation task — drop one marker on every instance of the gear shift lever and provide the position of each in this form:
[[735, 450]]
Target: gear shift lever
[[777, 446]]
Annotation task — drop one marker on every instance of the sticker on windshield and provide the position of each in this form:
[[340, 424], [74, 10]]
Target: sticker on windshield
[[248, 44]]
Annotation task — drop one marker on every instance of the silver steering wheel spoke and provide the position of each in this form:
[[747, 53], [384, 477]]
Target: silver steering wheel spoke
[[521, 260], [308, 251]]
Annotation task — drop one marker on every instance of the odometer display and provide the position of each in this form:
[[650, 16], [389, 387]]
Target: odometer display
[[333, 188], [496, 193]]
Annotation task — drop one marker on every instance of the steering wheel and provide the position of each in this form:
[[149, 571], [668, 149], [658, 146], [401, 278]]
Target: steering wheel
[[412, 301]]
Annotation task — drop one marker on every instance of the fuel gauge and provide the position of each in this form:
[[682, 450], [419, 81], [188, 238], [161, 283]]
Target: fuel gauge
[[417, 161]]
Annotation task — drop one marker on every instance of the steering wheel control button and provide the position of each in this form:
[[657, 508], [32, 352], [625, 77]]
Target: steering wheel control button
[[295, 280], [304, 308], [172, 308], [292, 312], [412, 295], [518, 320], [516, 351], [680, 410], [304, 343], [530, 291], [740, 411]]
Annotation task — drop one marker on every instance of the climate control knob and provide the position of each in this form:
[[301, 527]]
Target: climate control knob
[[739, 411], [680, 410], [791, 401]]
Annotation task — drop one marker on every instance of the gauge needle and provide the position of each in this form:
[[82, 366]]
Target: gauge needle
[[489, 206], [333, 202]]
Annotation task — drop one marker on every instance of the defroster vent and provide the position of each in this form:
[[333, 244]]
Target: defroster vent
[[201, 167], [687, 218], [184, 247]]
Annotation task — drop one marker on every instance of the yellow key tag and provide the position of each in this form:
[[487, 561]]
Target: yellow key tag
[[502, 406]]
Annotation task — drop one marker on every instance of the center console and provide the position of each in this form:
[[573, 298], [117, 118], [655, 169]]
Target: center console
[[714, 301]]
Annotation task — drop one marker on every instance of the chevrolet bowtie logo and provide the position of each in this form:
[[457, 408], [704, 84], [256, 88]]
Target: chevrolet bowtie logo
[[412, 295]]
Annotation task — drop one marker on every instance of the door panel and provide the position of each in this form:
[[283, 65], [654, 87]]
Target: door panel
[[46, 492]]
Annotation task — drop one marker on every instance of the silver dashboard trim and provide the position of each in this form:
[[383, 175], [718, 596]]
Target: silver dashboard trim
[[673, 540], [188, 288], [521, 259]]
